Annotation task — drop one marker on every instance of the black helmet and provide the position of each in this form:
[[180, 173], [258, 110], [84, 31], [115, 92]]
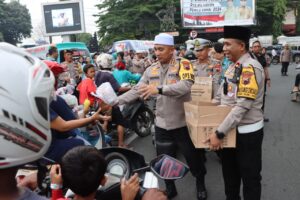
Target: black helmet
[[190, 55]]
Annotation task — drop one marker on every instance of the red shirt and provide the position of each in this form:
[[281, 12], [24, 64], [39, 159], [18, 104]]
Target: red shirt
[[85, 88]]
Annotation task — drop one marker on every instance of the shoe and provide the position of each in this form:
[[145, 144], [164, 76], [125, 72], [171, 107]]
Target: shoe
[[201, 190], [266, 119], [171, 189]]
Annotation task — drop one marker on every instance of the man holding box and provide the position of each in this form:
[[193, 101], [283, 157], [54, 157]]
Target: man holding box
[[171, 79], [243, 90]]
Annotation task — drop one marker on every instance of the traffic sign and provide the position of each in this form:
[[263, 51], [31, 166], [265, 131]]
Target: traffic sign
[[193, 34]]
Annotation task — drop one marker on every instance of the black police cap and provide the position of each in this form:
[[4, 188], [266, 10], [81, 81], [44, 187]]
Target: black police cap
[[237, 32]]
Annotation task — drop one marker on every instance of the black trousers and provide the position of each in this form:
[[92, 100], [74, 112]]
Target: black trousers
[[243, 163], [168, 141], [284, 67]]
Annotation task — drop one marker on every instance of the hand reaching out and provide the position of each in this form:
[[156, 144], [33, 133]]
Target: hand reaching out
[[129, 188]]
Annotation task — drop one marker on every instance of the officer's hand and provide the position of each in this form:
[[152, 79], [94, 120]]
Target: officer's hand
[[147, 90], [214, 142]]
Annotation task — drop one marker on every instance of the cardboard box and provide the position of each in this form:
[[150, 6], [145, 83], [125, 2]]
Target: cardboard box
[[203, 119], [202, 89]]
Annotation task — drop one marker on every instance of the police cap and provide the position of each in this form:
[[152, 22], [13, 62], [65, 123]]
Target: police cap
[[200, 43], [237, 32]]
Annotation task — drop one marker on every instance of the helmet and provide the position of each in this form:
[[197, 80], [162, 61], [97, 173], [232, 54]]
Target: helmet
[[55, 67], [25, 91], [104, 60], [190, 55]]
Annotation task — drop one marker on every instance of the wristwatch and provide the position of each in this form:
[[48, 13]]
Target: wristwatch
[[220, 135], [160, 89]]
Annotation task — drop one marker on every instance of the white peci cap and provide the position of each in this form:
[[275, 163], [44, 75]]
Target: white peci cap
[[164, 39]]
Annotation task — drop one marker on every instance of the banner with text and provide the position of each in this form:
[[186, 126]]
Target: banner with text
[[216, 13]]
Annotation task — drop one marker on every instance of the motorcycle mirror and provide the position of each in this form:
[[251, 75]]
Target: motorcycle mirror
[[168, 168]]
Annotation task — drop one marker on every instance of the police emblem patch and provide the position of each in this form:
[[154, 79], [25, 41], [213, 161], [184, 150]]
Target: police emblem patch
[[186, 65]]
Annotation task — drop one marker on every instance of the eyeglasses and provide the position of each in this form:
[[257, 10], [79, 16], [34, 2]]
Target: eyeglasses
[[256, 46]]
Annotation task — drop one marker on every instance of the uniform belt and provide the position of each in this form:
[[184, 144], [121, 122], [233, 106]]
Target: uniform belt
[[251, 127]]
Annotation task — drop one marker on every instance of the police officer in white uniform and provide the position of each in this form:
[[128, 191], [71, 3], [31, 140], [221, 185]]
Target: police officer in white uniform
[[171, 80], [243, 90]]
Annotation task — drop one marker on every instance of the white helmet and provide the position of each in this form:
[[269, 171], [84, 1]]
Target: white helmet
[[105, 61], [25, 89]]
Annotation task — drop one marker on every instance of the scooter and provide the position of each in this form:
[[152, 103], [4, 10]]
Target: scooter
[[139, 119], [124, 163]]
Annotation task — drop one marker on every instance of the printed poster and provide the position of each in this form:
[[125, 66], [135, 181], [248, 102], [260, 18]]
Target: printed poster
[[217, 13]]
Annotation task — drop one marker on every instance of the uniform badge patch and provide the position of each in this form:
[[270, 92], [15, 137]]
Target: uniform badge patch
[[248, 87], [186, 65], [186, 71]]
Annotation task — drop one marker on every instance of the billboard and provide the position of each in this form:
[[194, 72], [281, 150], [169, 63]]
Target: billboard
[[63, 18], [217, 13]]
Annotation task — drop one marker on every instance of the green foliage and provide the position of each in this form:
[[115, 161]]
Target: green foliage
[[278, 16], [264, 11], [15, 22], [83, 37], [130, 19], [93, 44]]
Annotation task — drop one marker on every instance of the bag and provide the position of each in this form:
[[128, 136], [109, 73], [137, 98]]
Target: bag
[[106, 93]]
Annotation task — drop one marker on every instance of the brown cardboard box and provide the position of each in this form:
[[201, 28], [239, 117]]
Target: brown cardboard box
[[202, 89], [203, 119]]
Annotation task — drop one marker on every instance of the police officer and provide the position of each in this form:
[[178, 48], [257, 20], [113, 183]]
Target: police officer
[[203, 65], [170, 79], [243, 89]]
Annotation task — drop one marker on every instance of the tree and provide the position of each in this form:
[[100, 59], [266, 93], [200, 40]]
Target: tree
[[84, 37], [93, 44], [130, 19], [278, 16], [264, 11], [15, 22]]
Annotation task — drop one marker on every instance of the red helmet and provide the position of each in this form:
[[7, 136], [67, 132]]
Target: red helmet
[[55, 67]]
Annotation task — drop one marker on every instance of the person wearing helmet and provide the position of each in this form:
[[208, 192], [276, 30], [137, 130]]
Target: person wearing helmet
[[104, 60], [25, 134], [105, 75], [64, 124]]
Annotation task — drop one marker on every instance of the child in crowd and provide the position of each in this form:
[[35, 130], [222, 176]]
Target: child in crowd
[[87, 86], [83, 170]]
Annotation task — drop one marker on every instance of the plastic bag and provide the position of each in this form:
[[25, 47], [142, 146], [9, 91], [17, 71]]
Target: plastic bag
[[106, 93]]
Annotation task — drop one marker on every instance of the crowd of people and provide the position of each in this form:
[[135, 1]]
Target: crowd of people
[[239, 78]]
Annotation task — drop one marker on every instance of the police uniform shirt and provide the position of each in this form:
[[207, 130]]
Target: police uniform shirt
[[203, 69], [177, 79], [243, 92]]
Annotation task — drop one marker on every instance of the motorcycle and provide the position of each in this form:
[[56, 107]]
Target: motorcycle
[[124, 163], [139, 119], [275, 60], [121, 163]]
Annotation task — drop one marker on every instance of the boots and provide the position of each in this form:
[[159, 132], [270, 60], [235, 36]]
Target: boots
[[201, 190], [171, 189]]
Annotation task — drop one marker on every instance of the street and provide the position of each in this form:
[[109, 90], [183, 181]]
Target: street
[[281, 169]]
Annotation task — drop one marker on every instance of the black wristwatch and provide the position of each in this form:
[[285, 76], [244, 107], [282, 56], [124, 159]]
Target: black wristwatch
[[220, 135], [160, 89]]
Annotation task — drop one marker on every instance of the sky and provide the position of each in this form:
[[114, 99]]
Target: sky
[[35, 10]]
